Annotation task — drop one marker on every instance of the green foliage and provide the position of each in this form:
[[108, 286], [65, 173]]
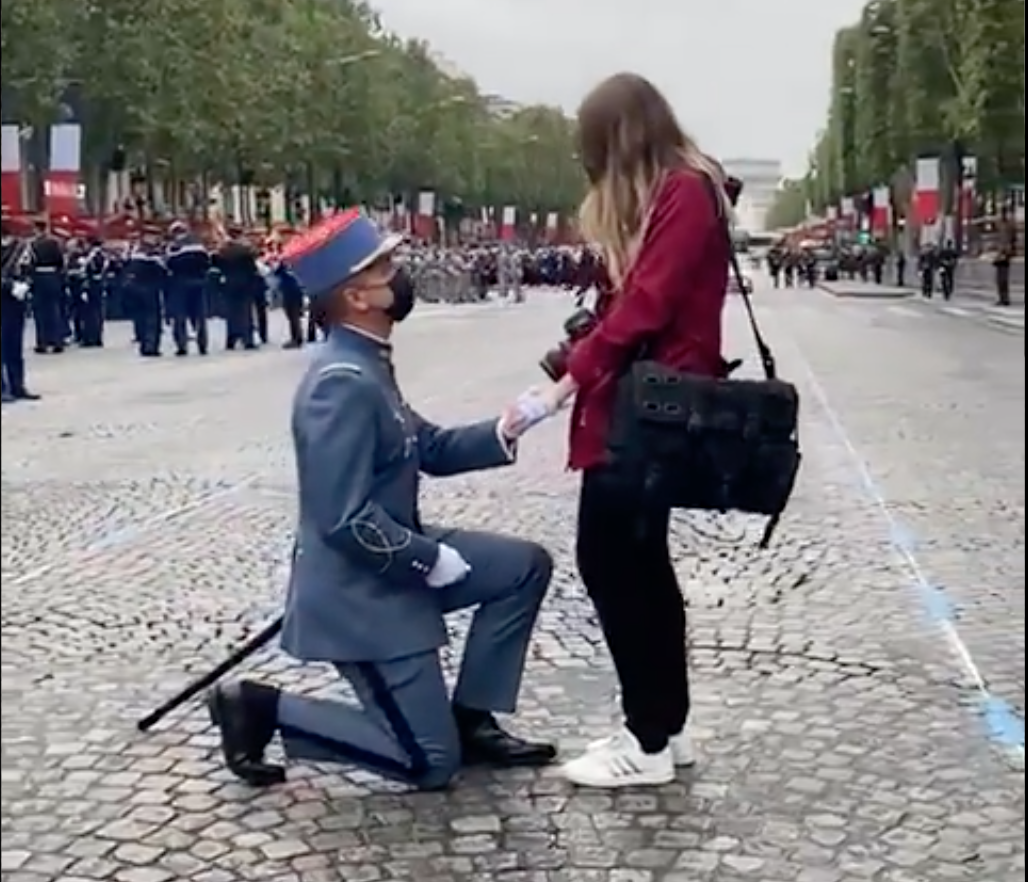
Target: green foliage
[[309, 91], [877, 118], [917, 77], [790, 206], [992, 69]]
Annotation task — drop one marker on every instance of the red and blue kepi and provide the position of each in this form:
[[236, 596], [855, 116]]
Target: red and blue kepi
[[335, 250]]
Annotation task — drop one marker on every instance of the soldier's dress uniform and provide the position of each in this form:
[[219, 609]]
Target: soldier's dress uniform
[[12, 324], [46, 275], [189, 264], [360, 594]]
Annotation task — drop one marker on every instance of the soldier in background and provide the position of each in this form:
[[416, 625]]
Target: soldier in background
[[237, 262], [1001, 262], [188, 264], [145, 285], [13, 310], [75, 288], [901, 267], [948, 259], [292, 305], [927, 267], [94, 291], [45, 266]]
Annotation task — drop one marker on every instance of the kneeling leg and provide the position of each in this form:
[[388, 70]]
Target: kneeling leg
[[403, 728]]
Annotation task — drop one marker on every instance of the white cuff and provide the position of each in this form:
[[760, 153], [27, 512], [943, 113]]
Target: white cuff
[[510, 447]]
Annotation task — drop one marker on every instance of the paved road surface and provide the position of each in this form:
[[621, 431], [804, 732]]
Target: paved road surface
[[859, 688], [979, 309]]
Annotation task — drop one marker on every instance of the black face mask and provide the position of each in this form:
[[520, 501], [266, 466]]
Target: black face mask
[[404, 296]]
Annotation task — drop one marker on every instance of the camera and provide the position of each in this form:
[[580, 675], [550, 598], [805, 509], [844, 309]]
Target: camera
[[733, 189], [577, 326]]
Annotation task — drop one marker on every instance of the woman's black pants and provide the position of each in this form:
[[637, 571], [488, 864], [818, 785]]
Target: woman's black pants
[[625, 564]]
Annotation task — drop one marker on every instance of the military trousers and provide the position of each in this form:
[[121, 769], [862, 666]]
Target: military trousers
[[402, 725], [12, 345], [48, 310], [187, 307]]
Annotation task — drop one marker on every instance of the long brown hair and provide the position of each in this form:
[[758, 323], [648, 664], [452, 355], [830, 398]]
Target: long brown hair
[[629, 139]]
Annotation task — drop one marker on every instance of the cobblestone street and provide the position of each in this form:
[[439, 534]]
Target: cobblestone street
[[859, 687]]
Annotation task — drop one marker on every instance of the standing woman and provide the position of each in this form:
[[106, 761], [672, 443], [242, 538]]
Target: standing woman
[[657, 209]]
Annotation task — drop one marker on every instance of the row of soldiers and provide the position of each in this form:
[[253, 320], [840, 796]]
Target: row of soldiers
[[166, 286], [174, 284], [472, 273]]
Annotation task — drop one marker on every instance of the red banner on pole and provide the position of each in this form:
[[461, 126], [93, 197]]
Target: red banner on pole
[[509, 224], [10, 171], [63, 194], [926, 191], [881, 211], [62, 188]]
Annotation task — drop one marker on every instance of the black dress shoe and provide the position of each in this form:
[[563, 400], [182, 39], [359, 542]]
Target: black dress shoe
[[246, 713], [25, 395], [485, 743]]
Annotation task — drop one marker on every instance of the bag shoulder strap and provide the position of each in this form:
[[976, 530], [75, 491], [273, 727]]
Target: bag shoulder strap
[[767, 358]]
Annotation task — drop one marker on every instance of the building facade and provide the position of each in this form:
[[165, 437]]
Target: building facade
[[761, 179]]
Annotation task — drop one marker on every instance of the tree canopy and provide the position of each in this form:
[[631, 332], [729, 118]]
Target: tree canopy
[[923, 78], [790, 206], [312, 92]]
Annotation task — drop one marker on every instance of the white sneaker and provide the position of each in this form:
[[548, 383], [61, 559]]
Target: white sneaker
[[620, 762], [682, 750]]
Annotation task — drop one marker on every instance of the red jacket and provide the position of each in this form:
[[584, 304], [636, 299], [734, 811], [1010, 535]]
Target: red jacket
[[673, 298]]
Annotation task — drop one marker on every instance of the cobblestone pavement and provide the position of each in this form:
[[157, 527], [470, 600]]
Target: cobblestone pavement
[[147, 509]]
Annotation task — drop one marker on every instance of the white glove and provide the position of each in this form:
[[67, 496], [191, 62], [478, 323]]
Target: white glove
[[450, 568], [533, 407], [20, 290]]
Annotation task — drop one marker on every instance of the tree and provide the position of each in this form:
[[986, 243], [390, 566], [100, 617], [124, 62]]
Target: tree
[[838, 167], [878, 122], [923, 78], [929, 86], [992, 69], [311, 93], [33, 44], [791, 205]]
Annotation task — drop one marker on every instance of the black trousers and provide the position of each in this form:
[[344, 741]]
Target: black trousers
[[625, 564]]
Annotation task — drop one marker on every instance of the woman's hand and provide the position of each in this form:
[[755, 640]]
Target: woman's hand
[[557, 396], [539, 404]]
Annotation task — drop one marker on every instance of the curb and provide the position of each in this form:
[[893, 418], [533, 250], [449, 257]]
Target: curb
[[850, 294]]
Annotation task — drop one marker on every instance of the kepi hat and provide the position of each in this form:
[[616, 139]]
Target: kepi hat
[[335, 250]]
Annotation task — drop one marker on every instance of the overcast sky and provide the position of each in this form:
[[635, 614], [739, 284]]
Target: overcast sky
[[748, 78]]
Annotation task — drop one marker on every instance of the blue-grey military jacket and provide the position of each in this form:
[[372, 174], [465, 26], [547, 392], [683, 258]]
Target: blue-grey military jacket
[[358, 588]]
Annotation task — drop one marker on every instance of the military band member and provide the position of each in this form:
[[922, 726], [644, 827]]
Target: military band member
[[188, 264], [45, 260], [370, 585], [237, 262], [145, 285], [13, 309], [292, 304], [94, 298]]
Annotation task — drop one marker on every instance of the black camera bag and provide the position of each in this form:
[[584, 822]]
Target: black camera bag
[[711, 444]]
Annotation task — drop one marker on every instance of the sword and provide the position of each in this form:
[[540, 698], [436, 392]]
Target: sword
[[201, 684]]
